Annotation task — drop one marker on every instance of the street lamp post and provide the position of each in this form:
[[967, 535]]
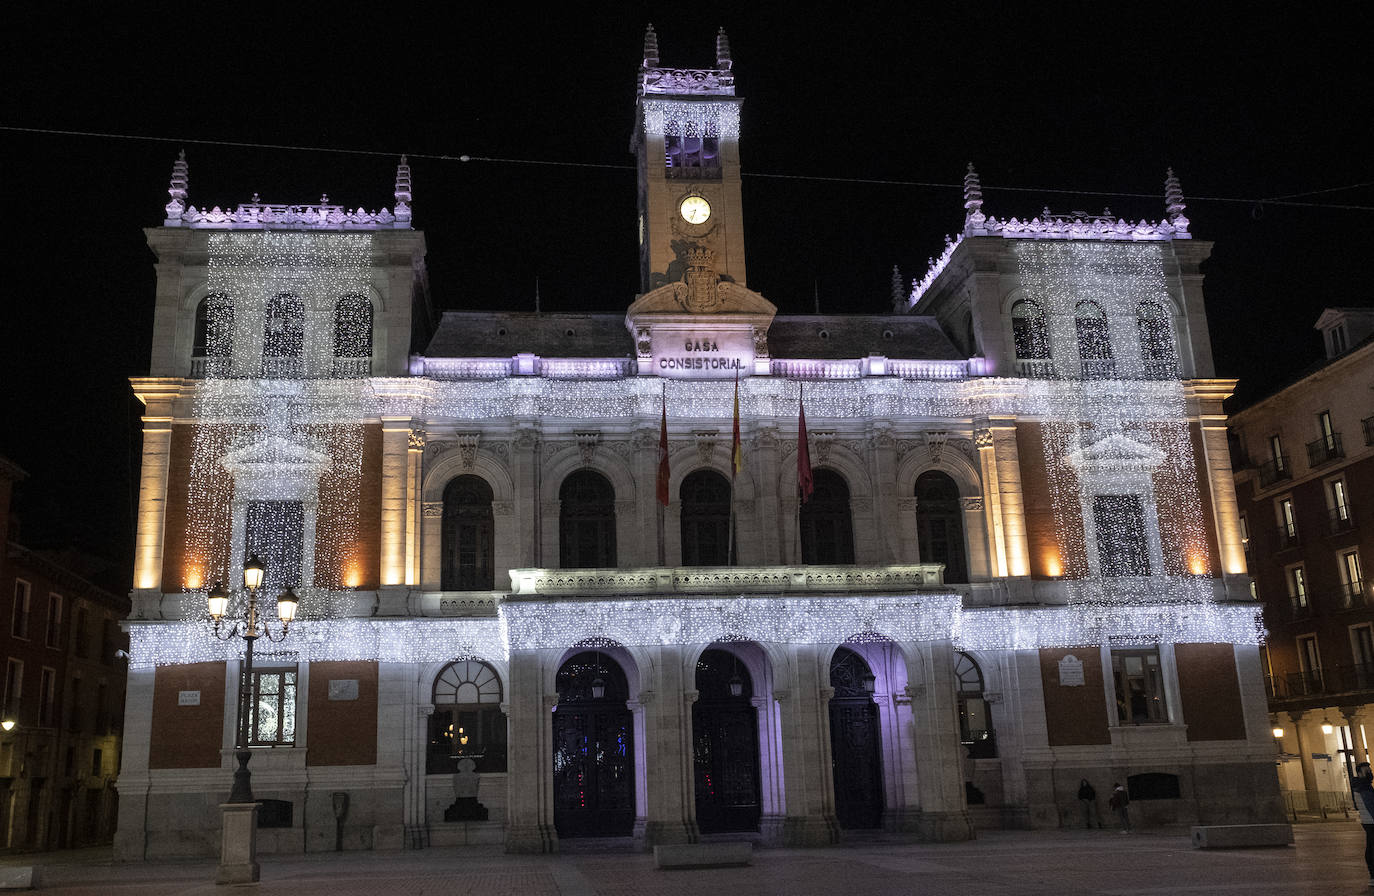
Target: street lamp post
[[238, 853]]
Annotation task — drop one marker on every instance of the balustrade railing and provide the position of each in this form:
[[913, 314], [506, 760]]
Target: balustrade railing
[[352, 368], [1325, 450], [1098, 368], [1035, 368], [1287, 537], [1340, 519], [1274, 470], [1160, 369]]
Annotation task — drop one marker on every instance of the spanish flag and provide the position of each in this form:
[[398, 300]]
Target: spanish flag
[[806, 482], [736, 451]]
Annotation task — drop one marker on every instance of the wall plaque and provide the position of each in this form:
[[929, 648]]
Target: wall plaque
[[1071, 672], [188, 698], [343, 689]]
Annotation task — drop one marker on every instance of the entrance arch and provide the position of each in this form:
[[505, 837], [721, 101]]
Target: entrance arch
[[725, 745], [854, 742], [593, 749]]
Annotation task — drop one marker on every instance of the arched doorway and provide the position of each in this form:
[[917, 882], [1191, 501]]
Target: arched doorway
[[705, 519], [725, 745], [827, 528], [940, 524], [854, 740], [467, 539], [593, 749], [586, 522]]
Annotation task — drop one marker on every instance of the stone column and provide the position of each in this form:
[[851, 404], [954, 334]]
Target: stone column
[[526, 470], [805, 726], [415, 456], [395, 478], [939, 767], [1309, 772], [1359, 750], [882, 471], [152, 497], [529, 788], [131, 834], [1006, 462], [665, 752], [398, 755], [766, 496]]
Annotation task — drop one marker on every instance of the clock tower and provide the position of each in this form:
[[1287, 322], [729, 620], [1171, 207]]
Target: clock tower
[[686, 143]]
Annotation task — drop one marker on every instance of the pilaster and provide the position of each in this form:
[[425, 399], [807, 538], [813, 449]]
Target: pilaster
[[395, 503], [805, 728], [529, 763], [935, 717]]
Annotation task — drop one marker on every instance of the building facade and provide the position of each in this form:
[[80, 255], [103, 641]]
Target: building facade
[[547, 592], [1305, 478], [65, 663]]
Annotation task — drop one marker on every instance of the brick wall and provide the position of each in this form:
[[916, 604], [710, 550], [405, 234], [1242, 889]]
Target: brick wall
[[1074, 714], [343, 732], [1210, 691], [187, 736]]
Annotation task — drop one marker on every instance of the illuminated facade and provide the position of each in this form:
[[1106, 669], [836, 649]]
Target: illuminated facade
[[1305, 476], [541, 600]]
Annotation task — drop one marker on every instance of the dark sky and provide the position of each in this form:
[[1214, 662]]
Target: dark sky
[[1247, 105]]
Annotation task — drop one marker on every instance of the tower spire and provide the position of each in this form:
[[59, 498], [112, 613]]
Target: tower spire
[[403, 195], [973, 201], [177, 189], [650, 47], [723, 61], [1173, 201]]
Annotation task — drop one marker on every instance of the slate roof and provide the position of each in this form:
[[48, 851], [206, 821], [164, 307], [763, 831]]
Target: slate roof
[[490, 334]]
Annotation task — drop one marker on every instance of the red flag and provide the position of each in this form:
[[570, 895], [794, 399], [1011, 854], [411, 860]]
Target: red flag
[[736, 450], [806, 483], [663, 453]]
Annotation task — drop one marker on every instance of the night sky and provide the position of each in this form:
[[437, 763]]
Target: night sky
[[1050, 98]]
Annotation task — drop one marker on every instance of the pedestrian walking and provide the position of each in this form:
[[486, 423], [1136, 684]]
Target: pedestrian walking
[[1087, 798], [1120, 803], [1362, 787]]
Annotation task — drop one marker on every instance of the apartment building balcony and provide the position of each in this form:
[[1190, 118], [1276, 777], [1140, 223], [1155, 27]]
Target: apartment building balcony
[[1299, 608], [1098, 368], [1276, 470], [1367, 424], [1352, 596], [1316, 686], [1286, 537], [1342, 519], [1325, 450]]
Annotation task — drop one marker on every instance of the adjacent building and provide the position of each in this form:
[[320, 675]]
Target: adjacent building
[[1305, 477], [569, 575], [63, 703]]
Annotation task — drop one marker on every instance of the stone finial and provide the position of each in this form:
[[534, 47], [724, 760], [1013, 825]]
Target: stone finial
[[403, 196], [1173, 201], [898, 290], [973, 200], [650, 47], [177, 189], [723, 61]]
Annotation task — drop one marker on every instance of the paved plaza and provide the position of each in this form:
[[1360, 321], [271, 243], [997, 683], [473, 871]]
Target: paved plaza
[[1327, 859]]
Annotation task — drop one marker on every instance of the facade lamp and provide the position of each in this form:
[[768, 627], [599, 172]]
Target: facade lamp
[[598, 683], [1327, 727], [736, 683], [7, 723], [253, 572], [870, 683], [1277, 732]]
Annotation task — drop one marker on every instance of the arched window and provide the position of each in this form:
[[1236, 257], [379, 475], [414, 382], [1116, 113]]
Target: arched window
[[1156, 341], [1028, 331], [1094, 342], [283, 338], [940, 524], [705, 519], [467, 720], [975, 723], [827, 531], [468, 528], [353, 336], [586, 521], [213, 342]]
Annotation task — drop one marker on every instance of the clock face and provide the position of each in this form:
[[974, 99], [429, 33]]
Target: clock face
[[695, 209]]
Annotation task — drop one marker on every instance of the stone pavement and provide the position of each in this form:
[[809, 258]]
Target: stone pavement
[[1327, 859]]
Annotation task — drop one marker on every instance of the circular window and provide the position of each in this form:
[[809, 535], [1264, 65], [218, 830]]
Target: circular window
[[501, 331], [824, 334], [887, 334], [569, 332]]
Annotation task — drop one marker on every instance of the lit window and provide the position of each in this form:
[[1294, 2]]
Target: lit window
[[467, 720], [272, 719], [1139, 681]]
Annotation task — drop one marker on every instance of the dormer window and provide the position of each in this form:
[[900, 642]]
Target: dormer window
[[1156, 341], [1028, 331], [1094, 342], [283, 337], [353, 336]]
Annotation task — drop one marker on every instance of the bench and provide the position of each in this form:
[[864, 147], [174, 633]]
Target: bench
[[677, 856], [1236, 836]]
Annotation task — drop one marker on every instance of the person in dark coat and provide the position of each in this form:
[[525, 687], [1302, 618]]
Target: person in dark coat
[[1362, 786], [1118, 804], [1087, 798]]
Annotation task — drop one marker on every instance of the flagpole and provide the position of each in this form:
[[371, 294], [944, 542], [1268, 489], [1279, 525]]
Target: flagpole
[[734, 465], [801, 434], [662, 463]]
